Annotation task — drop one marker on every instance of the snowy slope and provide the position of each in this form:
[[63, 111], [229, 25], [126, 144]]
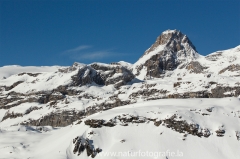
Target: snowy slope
[[7, 71], [145, 137]]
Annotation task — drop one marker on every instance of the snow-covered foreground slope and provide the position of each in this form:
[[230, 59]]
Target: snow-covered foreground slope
[[136, 131]]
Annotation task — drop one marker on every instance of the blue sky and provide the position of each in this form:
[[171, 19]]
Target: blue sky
[[51, 32]]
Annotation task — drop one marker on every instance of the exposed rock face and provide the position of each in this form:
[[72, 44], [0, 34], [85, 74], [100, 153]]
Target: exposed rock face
[[221, 91], [82, 144], [182, 126], [199, 94], [195, 67], [11, 115], [86, 75], [214, 57], [231, 68], [101, 74], [57, 119], [7, 88], [175, 124], [114, 74], [177, 48], [173, 39]]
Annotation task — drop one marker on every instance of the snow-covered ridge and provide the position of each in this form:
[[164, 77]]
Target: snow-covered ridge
[[7, 71]]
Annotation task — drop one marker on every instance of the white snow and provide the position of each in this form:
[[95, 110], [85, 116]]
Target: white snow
[[57, 143], [7, 71]]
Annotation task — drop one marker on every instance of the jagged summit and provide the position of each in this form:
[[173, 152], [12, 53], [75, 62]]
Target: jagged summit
[[170, 49], [173, 39]]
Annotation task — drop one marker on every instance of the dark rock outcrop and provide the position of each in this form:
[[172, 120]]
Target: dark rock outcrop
[[221, 91], [182, 126], [220, 133], [175, 124], [82, 144], [113, 74], [7, 88], [87, 75], [231, 68], [56, 119], [195, 67]]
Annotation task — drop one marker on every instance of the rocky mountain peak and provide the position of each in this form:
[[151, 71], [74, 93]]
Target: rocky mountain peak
[[170, 49], [174, 40]]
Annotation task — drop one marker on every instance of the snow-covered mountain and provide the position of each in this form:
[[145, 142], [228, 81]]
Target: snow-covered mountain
[[60, 112]]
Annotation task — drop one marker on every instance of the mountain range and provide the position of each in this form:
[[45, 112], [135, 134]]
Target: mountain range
[[171, 100]]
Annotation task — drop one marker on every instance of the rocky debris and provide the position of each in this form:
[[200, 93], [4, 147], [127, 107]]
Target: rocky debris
[[238, 135], [220, 91], [56, 119], [195, 67], [220, 132], [182, 126], [82, 144], [231, 68]]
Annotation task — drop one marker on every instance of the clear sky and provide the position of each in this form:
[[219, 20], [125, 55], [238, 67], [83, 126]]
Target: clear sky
[[52, 32]]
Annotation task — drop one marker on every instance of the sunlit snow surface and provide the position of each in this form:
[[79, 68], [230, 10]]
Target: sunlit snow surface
[[26, 142]]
